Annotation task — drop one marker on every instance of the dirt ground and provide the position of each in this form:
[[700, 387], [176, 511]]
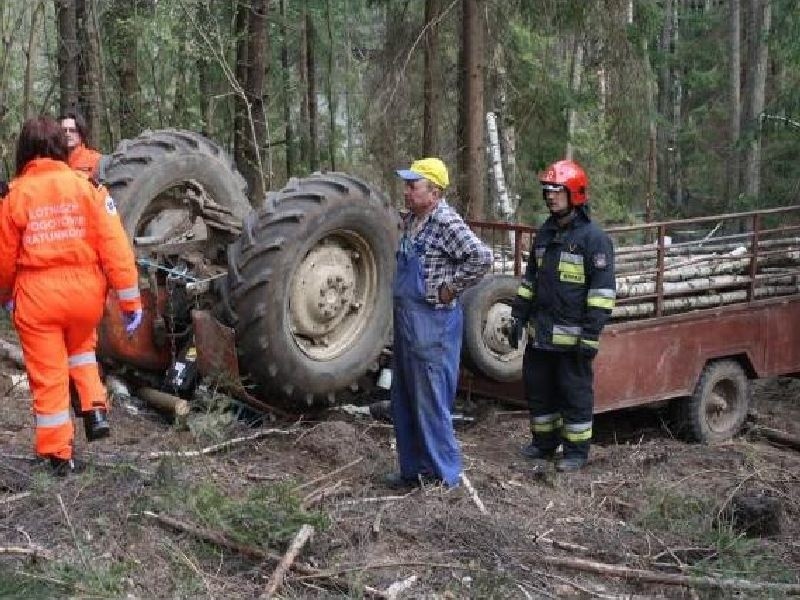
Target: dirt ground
[[646, 502]]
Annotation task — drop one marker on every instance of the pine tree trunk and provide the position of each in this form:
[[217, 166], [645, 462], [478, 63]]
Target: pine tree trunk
[[288, 96], [240, 115], [311, 94], [329, 91], [734, 85], [127, 38], [473, 145], [432, 80], [761, 22], [91, 67], [67, 54], [302, 71], [256, 166]]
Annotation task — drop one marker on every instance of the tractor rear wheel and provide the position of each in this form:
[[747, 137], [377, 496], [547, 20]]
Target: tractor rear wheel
[[172, 184], [309, 282]]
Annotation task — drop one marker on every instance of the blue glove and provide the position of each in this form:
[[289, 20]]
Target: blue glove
[[132, 318], [9, 306]]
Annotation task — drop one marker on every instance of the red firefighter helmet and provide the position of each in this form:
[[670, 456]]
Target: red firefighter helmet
[[568, 175]]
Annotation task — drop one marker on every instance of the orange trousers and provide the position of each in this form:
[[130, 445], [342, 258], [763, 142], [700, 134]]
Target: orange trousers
[[56, 313]]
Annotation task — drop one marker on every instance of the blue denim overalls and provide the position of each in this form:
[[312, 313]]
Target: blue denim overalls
[[427, 349]]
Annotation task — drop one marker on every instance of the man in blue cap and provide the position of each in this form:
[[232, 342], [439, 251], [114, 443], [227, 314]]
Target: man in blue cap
[[439, 257]]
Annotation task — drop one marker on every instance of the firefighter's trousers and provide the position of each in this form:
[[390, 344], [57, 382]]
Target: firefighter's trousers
[[56, 313], [558, 387]]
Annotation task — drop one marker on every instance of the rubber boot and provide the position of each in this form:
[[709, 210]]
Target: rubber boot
[[95, 423]]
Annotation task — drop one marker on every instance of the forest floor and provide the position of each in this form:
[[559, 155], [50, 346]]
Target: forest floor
[[646, 502]]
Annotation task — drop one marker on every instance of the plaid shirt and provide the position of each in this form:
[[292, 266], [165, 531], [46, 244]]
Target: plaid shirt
[[450, 252]]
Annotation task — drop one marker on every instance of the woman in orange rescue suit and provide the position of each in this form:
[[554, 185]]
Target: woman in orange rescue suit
[[61, 245]]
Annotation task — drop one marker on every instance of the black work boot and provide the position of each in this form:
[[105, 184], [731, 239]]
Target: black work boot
[[95, 422], [61, 467], [534, 452]]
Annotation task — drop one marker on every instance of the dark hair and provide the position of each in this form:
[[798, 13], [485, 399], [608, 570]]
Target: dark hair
[[40, 137], [80, 123]]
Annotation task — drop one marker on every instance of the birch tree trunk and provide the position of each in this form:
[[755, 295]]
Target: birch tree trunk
[[576, 71]]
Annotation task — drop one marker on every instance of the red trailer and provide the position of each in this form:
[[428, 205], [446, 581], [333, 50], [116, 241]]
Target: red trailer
[[706, 304]]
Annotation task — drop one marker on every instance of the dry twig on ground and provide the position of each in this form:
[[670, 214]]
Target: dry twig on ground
[[306, 531]]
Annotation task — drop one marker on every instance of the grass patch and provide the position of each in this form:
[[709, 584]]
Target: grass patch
[[695, 520], [59, 580], [267, 517]]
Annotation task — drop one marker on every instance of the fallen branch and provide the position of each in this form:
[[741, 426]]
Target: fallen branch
[[475, 498], [328, 475], [250, 551], [376, 524], [219, 447], [15, 497], [590, 566], [36, 551], [306, 531], [777, 437], [373, 499]]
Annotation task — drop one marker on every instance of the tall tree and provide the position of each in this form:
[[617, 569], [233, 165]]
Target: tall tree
[[432, 80], [240, 115], [68, 54], [256, 169], [126, 33], [329, 89], [311, 92], [760, 23], [734, 85], [472, 163], [90, 69], [288, 94]]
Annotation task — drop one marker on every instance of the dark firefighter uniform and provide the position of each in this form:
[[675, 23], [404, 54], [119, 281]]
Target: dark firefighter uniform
[[564, 299]]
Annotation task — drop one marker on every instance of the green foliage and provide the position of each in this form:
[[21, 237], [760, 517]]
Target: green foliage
[[697, 518], [60, 579], [266, 516]]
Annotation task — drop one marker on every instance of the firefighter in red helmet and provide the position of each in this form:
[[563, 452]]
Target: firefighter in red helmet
[[562, 304]]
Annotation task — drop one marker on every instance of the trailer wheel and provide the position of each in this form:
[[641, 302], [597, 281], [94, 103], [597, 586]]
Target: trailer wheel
[[487, 312], [310, 284], [718, 407]]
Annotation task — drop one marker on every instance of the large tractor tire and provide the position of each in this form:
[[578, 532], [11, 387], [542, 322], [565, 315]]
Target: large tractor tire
[[162, 181], [487, 314], [310, 285]]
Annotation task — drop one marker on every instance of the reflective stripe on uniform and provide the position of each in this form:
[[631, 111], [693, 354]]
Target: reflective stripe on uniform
[[569, 257], [601, 298], [564, 335], [546, 423], [84, 358], [54, 420], [577, 432], [131, 293], [523, 291], [590, 343]]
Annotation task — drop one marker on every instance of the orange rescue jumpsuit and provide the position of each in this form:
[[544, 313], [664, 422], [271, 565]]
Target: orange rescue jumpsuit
[[84, 159], [61, 241]]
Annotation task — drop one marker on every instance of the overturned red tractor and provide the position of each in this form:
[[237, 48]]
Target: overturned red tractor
[[285, 306]]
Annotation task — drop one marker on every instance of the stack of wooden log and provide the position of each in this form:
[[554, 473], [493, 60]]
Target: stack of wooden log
[[703, 274], [699, 274]]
